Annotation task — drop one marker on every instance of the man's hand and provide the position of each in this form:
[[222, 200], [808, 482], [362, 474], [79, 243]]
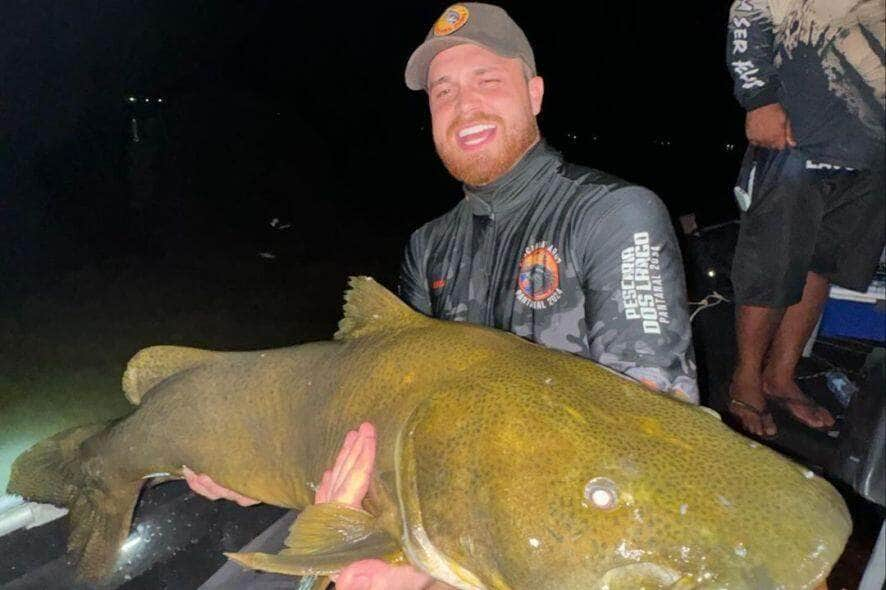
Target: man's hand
[[769, 127], [348, 480], [203, 485], [347, 483], [374, 574]]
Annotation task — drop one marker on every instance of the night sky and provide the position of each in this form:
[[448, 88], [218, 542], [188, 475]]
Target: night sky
[[298, 111]]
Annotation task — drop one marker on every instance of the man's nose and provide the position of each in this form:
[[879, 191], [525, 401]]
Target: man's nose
[[468, 101]]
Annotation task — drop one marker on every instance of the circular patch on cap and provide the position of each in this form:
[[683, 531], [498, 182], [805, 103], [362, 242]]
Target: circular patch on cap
[[450, 21]]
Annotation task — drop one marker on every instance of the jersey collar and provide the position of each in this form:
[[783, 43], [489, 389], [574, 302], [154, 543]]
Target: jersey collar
[[516, 186]]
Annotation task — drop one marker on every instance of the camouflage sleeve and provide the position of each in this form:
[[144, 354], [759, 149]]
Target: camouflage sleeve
[[750, 53], [636, 306], [413, 284]]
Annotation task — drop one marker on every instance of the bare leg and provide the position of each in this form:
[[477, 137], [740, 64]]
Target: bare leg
[[794, 330], [755, 327]]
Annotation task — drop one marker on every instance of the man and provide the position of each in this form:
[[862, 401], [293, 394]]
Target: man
[[810, 74], [565, 256]]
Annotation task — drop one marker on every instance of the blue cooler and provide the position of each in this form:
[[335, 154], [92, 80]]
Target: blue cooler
[[853, 314]]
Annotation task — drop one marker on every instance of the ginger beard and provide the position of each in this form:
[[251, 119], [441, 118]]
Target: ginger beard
[[493, 160]]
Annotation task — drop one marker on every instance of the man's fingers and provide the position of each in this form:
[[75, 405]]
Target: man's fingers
[[359, 575], [789, 134], [197, 484], [222, 492], [343, 454], [200, 488], [366, 459], [242, 500], [355, 482], [322, 495], [203, 485], [772, 142], [344, 470], [348, 481], [374, 574]]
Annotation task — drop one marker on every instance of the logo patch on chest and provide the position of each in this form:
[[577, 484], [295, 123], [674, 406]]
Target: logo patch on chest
[[538, 283]]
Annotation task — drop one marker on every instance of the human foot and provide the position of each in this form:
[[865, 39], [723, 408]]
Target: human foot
[[788, 396], [748, 406]]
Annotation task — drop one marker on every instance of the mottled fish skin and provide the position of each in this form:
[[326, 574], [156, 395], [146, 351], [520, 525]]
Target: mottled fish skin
[[501, 464]]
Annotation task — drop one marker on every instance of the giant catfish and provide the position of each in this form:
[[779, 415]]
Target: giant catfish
[[501, 464]]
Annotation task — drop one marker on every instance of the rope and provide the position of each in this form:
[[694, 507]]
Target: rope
[[711, 300]]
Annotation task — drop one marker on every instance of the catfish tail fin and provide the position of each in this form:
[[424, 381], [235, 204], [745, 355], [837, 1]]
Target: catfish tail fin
[[43, 472], [58, 471]]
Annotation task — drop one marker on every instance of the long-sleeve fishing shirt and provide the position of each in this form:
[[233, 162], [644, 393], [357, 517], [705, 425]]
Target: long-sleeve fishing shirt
[[565, 256], [823, 60]]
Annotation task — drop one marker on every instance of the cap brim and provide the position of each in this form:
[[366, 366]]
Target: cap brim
[[421, 58]]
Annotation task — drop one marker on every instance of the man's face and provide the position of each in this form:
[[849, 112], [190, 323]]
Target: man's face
[[482, 112]]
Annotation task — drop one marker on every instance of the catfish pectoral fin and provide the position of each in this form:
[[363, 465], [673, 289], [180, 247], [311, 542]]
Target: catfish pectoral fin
[[320, 564], [324, 539], [282, 563]]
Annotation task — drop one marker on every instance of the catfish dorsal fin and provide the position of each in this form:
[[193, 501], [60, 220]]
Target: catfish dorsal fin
[[370, 307], [154, 364]]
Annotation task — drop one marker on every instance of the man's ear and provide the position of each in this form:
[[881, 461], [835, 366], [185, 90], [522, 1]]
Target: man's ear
[[536, 93]]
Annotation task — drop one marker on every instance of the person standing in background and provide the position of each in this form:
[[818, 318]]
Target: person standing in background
[[810, 74]]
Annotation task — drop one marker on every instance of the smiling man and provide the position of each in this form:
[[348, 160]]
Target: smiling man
[[565, 256]]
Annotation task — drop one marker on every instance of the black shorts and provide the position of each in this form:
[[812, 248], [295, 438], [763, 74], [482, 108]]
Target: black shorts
[[800, 216]]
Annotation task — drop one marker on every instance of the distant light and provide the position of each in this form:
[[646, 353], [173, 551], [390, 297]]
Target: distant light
[[712, 273], [729, 147], [159, 100], [147, 100], [131, 99]]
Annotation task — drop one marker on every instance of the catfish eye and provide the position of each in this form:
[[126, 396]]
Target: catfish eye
[[601, 493]]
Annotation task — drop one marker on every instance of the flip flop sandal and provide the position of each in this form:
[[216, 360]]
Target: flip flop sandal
[[785, 405], [760, 413]]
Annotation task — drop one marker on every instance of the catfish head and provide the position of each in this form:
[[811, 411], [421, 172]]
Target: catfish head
[[547, 487]]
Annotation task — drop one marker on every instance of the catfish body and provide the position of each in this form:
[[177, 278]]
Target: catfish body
[[501, 464]]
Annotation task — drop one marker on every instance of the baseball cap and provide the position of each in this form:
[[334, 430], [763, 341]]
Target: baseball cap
[[486, 25]]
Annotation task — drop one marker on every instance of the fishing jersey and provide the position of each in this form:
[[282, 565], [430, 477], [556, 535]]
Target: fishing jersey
[[565, 256], [823, 61]]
